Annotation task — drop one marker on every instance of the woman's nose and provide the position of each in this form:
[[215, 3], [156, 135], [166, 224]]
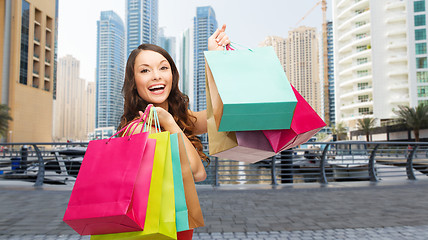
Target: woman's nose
[[156, 75]]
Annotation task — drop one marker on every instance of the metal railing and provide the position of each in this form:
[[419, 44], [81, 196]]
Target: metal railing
[[59, 163]]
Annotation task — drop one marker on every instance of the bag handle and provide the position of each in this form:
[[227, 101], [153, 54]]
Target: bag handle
[[137, 121], [153, 118], [229, 47]]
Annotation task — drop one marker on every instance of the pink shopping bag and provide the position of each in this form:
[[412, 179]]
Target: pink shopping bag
[[304, 125], [112, 188]]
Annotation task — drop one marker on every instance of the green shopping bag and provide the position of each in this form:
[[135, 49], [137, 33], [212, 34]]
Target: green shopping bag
[[181, 213], [250, 90], [160, 216]]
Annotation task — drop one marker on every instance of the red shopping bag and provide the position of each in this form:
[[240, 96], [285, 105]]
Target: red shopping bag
[[112, 188], [304, 125]]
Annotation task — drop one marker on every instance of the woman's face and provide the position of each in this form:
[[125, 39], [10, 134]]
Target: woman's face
[[153, 77]]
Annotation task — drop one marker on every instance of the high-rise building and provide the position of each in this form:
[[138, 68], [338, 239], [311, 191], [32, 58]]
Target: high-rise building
[[27, 63], [70, 104], [279, 45], [90, 107], [302, 64], [417, 51], [110, 69], [184, 63], [372, 59], [167, 43], [204, 25], [330, 60], [141, 23]]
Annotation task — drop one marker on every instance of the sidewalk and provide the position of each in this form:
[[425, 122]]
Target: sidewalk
[[397, 210]]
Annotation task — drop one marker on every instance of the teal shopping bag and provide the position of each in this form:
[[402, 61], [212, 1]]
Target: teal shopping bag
[[181, 213], [250, 90]]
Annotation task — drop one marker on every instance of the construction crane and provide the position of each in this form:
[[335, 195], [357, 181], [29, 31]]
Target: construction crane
[[325, 55]]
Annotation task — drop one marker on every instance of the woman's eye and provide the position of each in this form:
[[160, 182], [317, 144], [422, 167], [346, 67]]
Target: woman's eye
[[144, 70], [164, 68]]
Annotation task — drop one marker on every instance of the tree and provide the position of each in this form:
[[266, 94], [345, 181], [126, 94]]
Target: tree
[[366, 125], [4, 119], [339, 130], [415, 118]]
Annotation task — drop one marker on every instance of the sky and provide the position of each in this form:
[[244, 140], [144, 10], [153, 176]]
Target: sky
[[248, 22]]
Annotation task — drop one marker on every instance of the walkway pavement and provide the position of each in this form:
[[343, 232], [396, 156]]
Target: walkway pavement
[[387, 210]]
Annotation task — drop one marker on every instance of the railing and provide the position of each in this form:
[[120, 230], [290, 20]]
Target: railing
[[321, 162]]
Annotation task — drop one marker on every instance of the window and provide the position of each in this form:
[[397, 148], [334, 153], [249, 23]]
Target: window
[[421, 62], [363, 98], [421, 48], [422, 77], [361, 48], [359, 24], [419, 6], [362, 86], [361, 61], [362, 73], [361, 35], [422, 91], [25, 26], [425, 102], [364, 111], [420, 34], [420, 20]]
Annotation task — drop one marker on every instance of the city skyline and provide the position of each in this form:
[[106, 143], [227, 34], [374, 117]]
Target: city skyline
[[249, 27]]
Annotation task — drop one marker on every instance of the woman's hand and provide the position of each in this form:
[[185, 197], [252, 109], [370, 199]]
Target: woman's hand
[[218, 40], [166, 120]]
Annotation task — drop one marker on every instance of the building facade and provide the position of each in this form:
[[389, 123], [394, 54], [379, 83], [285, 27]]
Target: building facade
[[167, 43], [185, 68], [417, 47], [279, 45], [302, 64], [70, 104], [141, 23], [27, 63], [110, 69], [90, 107], [330, 60], [372, 59]]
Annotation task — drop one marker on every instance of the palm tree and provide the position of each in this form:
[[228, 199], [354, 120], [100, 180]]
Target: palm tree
[[366, 125], [338, 130], [415, 118], [4, 119]]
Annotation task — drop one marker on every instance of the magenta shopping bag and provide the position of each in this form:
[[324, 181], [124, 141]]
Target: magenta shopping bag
[[304, 125], [112, 188]]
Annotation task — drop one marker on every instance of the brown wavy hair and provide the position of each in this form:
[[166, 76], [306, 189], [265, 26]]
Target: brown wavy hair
[[178, 102]]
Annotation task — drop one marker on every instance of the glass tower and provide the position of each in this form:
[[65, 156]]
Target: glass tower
[[204, 25], [141, 23], [330, 57], [110, 69]]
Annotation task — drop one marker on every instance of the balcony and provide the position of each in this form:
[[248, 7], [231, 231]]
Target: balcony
[[351, 81], [396, 45], [361, 41], [397, 59], [355, 67], [397, 19], [352, 105], [363, 5], [360, 29], [399, 85], [396, 5], [362, 16], [356, 91], [399, 99], [396, 31], [399, 72], [348, 57], [35, 73]]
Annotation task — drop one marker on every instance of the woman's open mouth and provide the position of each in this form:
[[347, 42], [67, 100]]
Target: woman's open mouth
[[157, 89]]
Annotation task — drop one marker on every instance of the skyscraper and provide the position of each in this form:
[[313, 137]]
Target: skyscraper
[[110, 69], [418, 63], [70, 105], [141, 23], [27, 62], [204, 25], [184, 63], [372, 49], [302, 64], [330, 59], [167, 43]]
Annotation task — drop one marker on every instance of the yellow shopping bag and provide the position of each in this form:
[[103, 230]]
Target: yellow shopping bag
[[160, 217]]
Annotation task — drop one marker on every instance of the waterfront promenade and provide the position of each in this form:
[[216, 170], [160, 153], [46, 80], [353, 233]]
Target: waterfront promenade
[[357, 210]]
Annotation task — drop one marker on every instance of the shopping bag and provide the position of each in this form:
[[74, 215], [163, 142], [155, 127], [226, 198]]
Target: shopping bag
[[160, 217], [112, 188], [305, 124], [250, 91], [181, 213], [195, 216], [246, 146]]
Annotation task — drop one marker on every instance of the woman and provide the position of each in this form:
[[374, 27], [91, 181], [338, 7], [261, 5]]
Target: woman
[[151, 77]]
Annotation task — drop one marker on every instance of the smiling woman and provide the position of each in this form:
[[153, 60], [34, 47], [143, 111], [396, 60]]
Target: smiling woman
[[151, 77]]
